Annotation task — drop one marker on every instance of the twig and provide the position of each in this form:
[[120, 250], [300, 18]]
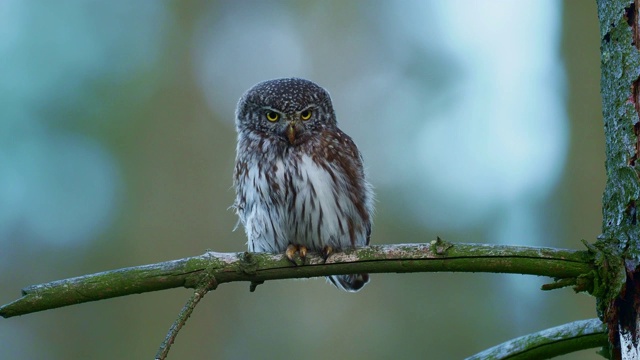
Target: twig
[[208, 284]]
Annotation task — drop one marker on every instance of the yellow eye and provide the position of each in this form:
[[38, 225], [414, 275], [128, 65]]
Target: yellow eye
[[273, 116], [305, 115]]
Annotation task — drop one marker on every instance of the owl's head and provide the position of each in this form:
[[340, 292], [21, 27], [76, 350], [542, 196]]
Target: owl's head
[[291, 109]]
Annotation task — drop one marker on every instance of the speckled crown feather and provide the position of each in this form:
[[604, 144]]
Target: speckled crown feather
[[286, 94]]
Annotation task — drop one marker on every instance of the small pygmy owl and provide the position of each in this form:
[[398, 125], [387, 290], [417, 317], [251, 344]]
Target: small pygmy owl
[[299, 179]]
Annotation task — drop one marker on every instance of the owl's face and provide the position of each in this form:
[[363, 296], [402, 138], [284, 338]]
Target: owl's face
[[291, 110]]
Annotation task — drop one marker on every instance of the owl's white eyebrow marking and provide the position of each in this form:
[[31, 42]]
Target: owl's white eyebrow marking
[[271, 109]]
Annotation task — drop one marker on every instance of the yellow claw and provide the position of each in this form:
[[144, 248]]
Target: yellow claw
[[302, 250], [326, 252], [291, 251]]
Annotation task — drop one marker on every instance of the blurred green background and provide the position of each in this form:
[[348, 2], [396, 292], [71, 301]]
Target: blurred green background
[[479, 121]]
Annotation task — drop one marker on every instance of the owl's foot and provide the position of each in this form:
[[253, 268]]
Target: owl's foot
[[292, 250], [326, 252]]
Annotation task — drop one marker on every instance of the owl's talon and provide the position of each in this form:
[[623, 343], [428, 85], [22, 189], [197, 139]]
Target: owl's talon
[[290, 253], [326, 252], [302, 251]]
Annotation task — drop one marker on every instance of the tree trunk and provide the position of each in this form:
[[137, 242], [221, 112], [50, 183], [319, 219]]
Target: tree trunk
[[619, 295]]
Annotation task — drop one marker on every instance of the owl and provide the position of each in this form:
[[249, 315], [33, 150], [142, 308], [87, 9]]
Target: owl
[[299, 180]]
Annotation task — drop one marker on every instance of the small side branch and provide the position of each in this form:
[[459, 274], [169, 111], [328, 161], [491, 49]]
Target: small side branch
[[575, 336], [208, 283], [256, 268]]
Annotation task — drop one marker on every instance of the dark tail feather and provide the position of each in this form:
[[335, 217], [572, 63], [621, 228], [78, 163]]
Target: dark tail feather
[[350, 283]]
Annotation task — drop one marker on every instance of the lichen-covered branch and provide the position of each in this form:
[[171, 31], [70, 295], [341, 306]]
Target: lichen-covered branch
[[560, 340], [256, 268]]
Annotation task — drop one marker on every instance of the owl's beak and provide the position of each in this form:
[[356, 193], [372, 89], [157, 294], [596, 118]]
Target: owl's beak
[[291, 132]]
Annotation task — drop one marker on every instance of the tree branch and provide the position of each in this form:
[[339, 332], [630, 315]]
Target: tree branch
[[259, 267], [560, 340]]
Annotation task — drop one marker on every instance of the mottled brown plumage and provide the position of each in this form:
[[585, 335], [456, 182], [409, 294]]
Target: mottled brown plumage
[[299, 179]]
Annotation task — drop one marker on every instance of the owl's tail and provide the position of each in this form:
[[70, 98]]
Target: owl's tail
[[350, 283]]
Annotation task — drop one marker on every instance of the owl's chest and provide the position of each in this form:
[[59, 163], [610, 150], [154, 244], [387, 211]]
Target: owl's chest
[[296, 197], [302, 185], [312, 202]]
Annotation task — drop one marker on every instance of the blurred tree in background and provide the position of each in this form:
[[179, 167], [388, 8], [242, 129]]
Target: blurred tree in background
[[117, 146]]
